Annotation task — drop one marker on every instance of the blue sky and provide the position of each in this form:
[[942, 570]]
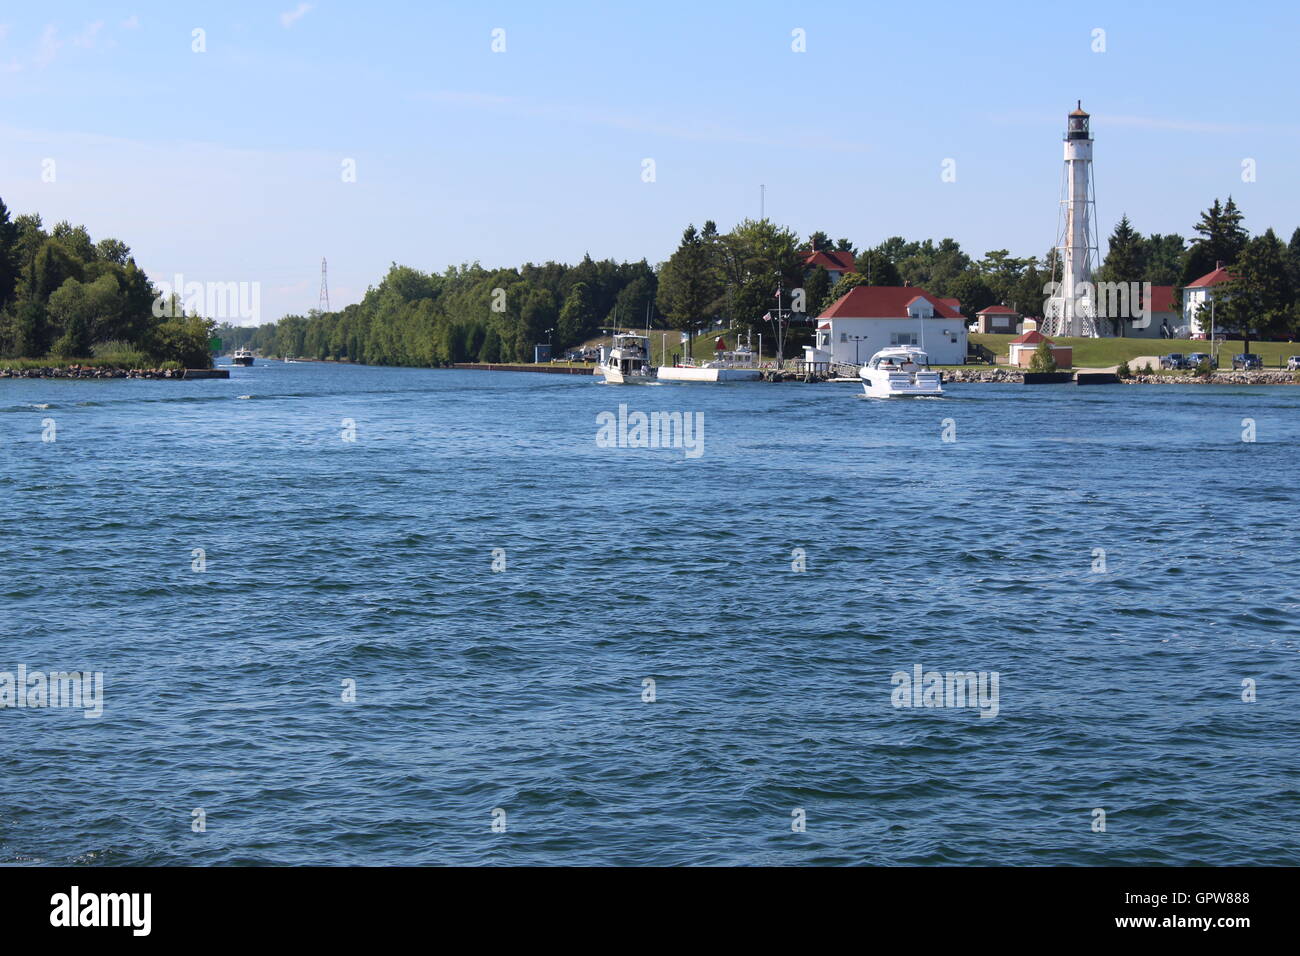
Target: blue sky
[[226, 165]]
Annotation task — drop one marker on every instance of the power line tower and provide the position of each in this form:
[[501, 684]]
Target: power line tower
[[324, 288]]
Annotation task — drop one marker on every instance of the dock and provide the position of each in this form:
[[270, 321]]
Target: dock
[[553, 369]]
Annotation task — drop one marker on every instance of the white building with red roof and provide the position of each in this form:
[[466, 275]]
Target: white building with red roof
[[1202, 293], [834, 261], [869, 318], [1021, 349]]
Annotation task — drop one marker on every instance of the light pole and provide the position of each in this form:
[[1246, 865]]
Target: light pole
[[857, 341]]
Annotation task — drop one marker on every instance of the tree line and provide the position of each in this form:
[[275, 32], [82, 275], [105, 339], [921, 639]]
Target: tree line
[[67, 297], [1262, 299]]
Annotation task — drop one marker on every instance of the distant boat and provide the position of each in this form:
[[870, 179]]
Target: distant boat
[[728, 366], [242, 357], [628, 361], [898, 372]]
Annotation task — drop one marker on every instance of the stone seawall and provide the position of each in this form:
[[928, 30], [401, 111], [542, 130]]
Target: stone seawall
[[1257, 377], [80, 371]]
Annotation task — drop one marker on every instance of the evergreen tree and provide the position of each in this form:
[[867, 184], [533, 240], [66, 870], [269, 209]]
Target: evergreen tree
[[1260, 299], [8, 256], [1222, 240], [689, 283], [1123, 264]]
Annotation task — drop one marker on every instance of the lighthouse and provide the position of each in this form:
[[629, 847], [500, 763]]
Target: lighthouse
[[1071, 311]]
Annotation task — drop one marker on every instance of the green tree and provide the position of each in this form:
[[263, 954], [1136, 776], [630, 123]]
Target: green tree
[[1222, 239], [876, 268], [1043, 359], [689, 283], [815, 289], [1123, 264], [577, 317], [1259, 300], [8, 256]]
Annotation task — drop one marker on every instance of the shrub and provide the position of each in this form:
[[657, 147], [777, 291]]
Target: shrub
[[1043, 360], [1124, 371]]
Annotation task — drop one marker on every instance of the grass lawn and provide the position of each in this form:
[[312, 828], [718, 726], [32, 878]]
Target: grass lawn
[[1093, 353]]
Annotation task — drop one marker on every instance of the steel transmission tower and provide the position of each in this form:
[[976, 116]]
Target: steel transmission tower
[[324, 288]]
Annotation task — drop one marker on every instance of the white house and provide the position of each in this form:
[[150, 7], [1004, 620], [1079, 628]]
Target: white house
[[869, 318], [1199, 293]]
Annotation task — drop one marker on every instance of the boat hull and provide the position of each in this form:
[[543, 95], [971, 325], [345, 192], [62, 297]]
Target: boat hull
[[243, 361], [880, 384], [615, 376], [679, 373]]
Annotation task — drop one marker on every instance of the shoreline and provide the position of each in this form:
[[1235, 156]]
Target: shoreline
[[88, 373], [975, 375]]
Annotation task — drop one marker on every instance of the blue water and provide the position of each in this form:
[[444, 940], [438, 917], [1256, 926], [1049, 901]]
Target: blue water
[[371, 561]]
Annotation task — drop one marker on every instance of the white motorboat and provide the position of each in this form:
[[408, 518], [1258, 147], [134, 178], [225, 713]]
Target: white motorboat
[[628, 361], [242, 356], [735, 366], [900, 371]]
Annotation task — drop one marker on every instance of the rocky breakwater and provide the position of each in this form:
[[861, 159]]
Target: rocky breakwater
[[83, 371], [984, 374], [1227, 377], [790, 375]]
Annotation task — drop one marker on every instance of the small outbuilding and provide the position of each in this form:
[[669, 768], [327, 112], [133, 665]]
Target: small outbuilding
[[1022, 348]]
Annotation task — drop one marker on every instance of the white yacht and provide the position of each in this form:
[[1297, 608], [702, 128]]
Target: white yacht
[[734, 366], [900, 371], [242, 356], [628, 361]]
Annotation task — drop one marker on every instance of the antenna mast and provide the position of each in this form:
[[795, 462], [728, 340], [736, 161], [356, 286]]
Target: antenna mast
[[324, 288]]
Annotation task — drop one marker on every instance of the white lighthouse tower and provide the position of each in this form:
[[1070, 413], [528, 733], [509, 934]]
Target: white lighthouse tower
[[1072, 309]]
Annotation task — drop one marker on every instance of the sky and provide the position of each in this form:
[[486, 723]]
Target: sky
[[230, 164]]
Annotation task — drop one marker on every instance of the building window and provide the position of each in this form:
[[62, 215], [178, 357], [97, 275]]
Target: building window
[[844, 336], [902, 338]]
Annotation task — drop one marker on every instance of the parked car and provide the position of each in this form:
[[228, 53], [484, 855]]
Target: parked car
[[1247, 360], [1196, 358], [1173, 360], [1293, 363]]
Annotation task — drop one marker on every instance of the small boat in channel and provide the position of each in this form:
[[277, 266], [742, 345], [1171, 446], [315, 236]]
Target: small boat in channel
[[628, 361], [900, 372]]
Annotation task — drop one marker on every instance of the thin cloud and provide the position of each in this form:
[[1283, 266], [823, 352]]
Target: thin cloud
[[49, 47], [86, 38], [4, 30], [289, 18], [702, 131], [131, 23], [1183, 126]]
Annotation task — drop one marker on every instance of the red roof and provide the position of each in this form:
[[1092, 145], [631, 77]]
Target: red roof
[[884, 302], [829, 259], [954, 304], [997, 310], [1216, 277], [1032, 337], [1162, 298]]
